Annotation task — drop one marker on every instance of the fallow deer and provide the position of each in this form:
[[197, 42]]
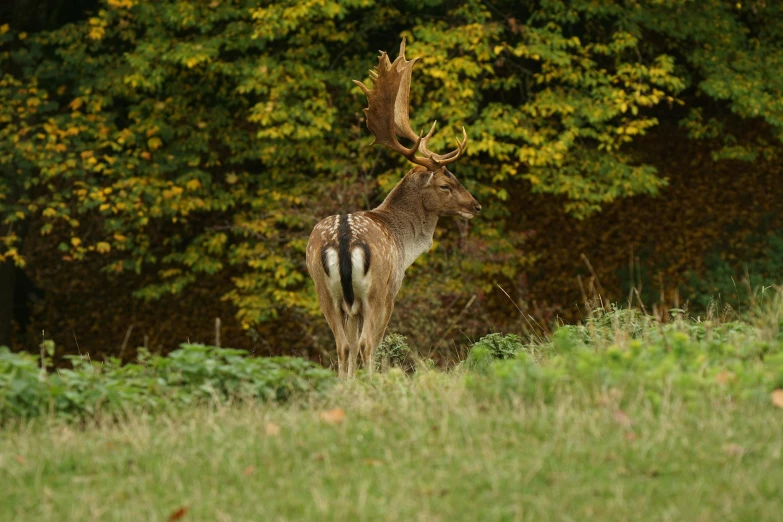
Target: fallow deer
[[358, 260]]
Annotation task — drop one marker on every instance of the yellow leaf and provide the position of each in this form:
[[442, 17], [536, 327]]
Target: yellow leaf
[[75, 241], [103, 247], [4, 28], [119, 237], [193, 184], [154, 143], [22, 36], [126, 4]]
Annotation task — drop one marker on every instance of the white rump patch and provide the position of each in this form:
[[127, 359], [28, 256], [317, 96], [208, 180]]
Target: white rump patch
[[333, 263], [360, 280]]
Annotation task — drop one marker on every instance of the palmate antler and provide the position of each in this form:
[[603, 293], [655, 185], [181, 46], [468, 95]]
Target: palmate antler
[[387, 113]]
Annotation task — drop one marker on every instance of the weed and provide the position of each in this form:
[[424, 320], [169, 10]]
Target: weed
[[392, 352]]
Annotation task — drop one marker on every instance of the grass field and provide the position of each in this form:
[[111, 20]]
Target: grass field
[[700, 441], [426, 450]]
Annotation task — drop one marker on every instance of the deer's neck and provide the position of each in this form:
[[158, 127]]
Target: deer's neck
[[410, 223]]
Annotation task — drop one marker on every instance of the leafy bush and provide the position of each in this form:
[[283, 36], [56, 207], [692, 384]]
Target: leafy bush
[[492, 347], [193, 373], [392, 351], [688, 357], [500, 346]]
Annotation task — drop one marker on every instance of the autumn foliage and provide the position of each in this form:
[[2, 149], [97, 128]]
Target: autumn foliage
[[179, 153]]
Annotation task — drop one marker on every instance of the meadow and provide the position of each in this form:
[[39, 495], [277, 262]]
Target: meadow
[[623, 417]]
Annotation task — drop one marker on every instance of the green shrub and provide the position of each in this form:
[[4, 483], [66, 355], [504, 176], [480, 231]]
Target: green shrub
[[391, 352], [500, 346], [684, 357], [193, 373]]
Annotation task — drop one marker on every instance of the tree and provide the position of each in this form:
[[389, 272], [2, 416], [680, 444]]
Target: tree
[[199, 137]]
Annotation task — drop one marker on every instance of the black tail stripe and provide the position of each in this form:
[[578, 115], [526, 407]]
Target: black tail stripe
[[344, 255], [366, 257]]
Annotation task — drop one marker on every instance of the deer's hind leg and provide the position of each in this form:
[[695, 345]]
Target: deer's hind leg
[[335, 317], [376, 319], [351, 326]]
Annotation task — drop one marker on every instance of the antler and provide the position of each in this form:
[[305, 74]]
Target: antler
[[387, 113]]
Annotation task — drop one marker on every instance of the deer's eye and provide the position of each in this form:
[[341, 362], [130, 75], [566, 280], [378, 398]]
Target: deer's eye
[[445, 187]]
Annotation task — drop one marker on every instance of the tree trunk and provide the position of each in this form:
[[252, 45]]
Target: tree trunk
[[7, 280]]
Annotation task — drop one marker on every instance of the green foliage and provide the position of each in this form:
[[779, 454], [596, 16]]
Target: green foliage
[[190, 375], [727, 281], [688, 358], [196, 138], [499, 346], [391, 352]]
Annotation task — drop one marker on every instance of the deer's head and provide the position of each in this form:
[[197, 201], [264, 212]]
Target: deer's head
[[443, 194], [387, 118]]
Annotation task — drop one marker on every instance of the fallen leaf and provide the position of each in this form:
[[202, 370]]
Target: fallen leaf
[[20, 459], [272, 429], [249, 470], [735, 450], [373, 462], [777, 398], [622, 418], [724, 377], [318, 456], [178, 514], [630, 436], [334, 416]]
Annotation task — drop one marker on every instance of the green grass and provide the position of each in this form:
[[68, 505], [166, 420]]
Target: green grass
[[621, 418], [420, 449]]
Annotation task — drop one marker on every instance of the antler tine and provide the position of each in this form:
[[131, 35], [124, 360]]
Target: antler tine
[[387, 113], [411, 154], [454, 155]]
